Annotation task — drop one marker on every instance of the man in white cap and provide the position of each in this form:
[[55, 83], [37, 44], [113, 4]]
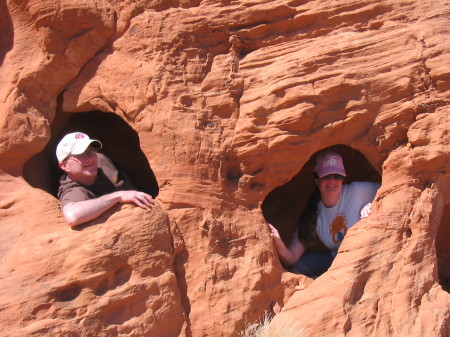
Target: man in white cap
[[91, 183], [331, 211]]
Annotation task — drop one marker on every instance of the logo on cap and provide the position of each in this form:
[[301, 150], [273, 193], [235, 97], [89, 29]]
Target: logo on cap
[[332, 160], [79, 135]]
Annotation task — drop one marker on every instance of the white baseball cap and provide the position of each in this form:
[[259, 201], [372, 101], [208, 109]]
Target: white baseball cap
[[75, 143]]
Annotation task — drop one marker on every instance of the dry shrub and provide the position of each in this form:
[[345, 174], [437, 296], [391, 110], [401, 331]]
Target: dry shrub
[[279, 328]]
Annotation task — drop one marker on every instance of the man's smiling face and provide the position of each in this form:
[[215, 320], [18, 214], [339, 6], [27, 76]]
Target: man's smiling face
[[82, 168]]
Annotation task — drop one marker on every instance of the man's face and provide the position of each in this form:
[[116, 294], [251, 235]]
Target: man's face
[[330, 188], [82, 168]]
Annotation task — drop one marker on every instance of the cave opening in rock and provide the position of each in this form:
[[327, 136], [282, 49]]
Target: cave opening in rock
[[120, 144], [285, 204], [443, 250]]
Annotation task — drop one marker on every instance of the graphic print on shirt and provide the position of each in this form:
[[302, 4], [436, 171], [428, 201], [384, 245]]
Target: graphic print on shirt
[[338, 228]]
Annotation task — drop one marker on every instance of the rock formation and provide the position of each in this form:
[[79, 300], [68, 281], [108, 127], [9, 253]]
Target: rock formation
[[224, 104]]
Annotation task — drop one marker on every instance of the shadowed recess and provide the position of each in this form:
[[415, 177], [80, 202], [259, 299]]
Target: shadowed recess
[[120, 144], [285, 204], [114, 279], [443, 249], [124, 309], [67, 293]]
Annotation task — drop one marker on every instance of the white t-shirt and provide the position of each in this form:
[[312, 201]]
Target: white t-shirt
[[333, 222]]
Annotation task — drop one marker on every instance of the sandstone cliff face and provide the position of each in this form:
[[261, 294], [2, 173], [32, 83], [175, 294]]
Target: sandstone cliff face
[[229, 101]]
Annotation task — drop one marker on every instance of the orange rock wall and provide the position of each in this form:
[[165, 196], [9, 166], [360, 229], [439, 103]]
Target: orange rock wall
[[229, 99]]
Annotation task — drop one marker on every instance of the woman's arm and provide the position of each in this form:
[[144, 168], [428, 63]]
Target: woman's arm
[[288, 255]]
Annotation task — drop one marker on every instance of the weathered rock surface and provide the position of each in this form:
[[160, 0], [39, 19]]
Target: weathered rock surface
[[114, 277], [230, 100]]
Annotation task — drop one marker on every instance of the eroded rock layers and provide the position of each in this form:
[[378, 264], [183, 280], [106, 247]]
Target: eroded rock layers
[[229, 100]]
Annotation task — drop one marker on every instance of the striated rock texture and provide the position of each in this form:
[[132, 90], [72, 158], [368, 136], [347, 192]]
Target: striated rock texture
[[224, 104], [113, 279]]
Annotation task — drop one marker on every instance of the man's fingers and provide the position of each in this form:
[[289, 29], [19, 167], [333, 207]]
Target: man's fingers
[[147, 199], [144, 200]]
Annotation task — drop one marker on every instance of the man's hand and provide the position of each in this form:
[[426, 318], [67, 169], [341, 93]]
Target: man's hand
[[141, 199], [365, 211]]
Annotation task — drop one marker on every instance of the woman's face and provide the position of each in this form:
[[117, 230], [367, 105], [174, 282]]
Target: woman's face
[[330, 187]]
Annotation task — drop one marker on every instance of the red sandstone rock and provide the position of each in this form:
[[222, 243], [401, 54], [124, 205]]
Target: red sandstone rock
[[116, 276], [230, 99]]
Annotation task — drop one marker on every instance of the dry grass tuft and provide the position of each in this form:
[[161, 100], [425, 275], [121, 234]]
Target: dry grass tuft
[[279, 328]]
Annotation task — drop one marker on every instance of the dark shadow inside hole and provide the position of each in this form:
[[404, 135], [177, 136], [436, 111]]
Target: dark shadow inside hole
[[285, 204], [113, 280], [120, 144], [68, 293], [443, 249]]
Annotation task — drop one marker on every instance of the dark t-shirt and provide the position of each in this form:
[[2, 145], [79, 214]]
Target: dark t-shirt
[[108, 180]]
